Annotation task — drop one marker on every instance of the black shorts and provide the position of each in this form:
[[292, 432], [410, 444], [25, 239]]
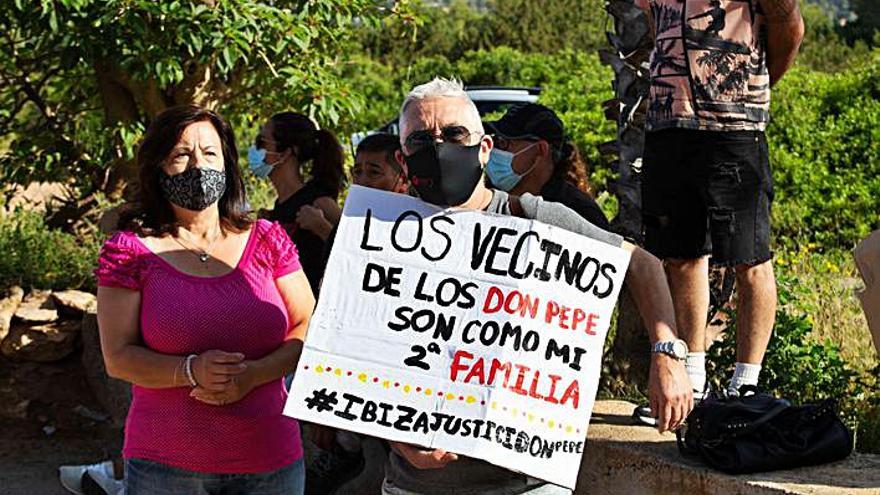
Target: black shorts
[[707, 192]]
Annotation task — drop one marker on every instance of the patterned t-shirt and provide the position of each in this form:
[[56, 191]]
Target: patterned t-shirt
[[708, 67]]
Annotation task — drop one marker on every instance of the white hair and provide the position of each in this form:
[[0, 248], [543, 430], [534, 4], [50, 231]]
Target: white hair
[[440, 87]]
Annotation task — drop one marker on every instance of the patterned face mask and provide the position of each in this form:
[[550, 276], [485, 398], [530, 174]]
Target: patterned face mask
[[194, 189]]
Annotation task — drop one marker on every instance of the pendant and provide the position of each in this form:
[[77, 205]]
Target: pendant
[[204, 257]]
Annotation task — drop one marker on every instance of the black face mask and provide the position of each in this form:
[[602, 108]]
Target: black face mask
[[445, 174], [195, 188]]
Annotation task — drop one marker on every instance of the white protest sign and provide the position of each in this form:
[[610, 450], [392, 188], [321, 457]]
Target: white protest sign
[[476, 333]]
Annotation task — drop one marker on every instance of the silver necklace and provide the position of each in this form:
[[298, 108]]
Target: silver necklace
[[202, 254]]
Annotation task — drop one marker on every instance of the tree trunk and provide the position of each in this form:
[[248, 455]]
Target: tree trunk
[[631, 46]]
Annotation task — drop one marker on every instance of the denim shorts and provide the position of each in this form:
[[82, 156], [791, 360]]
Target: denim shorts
[[707, 192], [144, 477]]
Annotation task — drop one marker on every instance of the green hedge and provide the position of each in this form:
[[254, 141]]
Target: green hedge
[[825, 151], [35, 256]]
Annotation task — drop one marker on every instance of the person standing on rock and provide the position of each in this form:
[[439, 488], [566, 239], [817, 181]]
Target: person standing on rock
[[204, 311], [706, 181]]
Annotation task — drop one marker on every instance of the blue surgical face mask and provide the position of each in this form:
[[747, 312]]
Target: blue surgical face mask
[[500, 168], [257, 162]]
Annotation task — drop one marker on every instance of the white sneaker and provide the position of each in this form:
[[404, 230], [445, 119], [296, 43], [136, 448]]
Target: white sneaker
[[96, 482], [71, 476]]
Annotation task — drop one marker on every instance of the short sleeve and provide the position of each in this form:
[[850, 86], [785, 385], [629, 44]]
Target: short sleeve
[[284, 253], [119, 264]]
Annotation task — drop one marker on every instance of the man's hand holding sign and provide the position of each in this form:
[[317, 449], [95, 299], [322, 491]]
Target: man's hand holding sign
[[470, 332]]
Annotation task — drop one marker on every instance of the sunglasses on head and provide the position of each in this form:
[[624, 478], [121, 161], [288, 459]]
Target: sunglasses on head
[[456, 134]]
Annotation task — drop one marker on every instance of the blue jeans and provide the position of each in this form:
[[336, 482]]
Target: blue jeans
[[144, 477]]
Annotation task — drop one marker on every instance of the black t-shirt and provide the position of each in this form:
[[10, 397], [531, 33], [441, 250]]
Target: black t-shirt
[[561, 191], [309, 244]]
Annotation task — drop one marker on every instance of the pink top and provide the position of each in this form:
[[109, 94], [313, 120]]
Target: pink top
[[241, 311]]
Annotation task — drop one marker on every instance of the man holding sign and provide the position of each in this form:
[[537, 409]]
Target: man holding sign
[[445, 326]]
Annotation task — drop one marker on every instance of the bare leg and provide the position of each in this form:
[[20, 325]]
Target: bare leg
[[689, 285], [756, 311]]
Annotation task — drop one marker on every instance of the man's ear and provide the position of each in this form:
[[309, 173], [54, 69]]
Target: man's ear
[[486, 145], [398, 157]]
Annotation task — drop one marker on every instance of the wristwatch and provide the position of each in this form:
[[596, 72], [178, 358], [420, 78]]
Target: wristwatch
[[677, 348]]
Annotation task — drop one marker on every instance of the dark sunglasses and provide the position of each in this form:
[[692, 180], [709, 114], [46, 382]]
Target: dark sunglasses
[[456, 134]]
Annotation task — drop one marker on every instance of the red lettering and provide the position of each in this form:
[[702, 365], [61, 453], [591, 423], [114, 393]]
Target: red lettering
[[507, 304], [551, 397], [572, 393], [498, 366], [477, 371], [563, 316], [457, 365], [533, 390], [552, 311], [531, 306], [496, 297], [578, 316], [517, 388], [591, 324]]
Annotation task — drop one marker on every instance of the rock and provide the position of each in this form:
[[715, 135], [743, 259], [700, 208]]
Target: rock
[[8, 306], [73, 302], [37, 307], [42, 343], [113, 395]]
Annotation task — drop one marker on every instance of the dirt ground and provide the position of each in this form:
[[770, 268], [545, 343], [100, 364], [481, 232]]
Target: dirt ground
[[48, 417]]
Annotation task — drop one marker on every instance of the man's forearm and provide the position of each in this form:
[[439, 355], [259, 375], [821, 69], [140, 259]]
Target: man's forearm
[[647, 284], [785, 31]]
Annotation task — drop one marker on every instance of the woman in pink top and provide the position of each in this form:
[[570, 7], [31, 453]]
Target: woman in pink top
[[203, 310]]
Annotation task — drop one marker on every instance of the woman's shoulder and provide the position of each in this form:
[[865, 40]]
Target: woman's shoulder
[[123, 241], [270, 234], [120, 262]]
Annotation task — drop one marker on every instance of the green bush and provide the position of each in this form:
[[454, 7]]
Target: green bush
[[803, 370], [825, 151], [35, 256]]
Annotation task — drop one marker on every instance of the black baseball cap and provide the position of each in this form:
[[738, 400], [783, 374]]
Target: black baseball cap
[[529, 120]]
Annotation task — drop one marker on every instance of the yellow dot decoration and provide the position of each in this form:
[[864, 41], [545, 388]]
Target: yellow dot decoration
[[469, 399]]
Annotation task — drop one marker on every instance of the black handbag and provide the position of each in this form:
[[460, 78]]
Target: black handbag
[[756, 432]]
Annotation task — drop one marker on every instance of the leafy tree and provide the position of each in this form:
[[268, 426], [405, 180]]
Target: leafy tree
[[449, 31], [549, 26], [82, 78]]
